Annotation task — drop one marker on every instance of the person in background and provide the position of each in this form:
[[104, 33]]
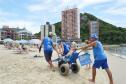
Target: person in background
[[100, 58], [48, 49]]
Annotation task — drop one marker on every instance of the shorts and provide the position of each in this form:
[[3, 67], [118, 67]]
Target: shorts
[[101, 63], [48, 55]]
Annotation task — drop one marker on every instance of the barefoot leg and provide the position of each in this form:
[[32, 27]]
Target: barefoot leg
[[93, 75]]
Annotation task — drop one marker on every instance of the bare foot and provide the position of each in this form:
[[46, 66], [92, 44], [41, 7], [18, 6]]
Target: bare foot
[[111, 82], [91, 80]]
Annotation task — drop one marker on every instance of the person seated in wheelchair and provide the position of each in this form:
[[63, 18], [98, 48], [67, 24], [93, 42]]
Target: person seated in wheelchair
[[72, 54]]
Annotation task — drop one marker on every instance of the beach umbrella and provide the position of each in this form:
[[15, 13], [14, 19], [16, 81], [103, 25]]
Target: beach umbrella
[[22, 41], [17, 41], [35, 41], [7, 40]]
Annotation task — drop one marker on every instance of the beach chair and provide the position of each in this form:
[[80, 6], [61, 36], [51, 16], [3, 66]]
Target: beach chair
[[21, 49], [84, 59]]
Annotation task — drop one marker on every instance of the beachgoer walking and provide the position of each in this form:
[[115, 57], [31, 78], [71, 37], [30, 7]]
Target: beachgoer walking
[[48, 49]]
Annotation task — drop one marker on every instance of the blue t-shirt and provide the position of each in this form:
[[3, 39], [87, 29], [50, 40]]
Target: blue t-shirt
[[98, 51], [66, 48], [48, 44], [73, 57]]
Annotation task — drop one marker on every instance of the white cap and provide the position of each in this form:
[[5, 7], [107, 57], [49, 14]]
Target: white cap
[[74, 44]]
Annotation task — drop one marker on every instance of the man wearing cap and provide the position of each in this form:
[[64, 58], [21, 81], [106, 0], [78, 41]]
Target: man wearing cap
[[64, 48], [100, 58], [48, 49]]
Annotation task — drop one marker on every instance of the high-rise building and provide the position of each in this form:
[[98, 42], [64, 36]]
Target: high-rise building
[[70, 24], [53, 29], [42, 32], [94, 27], [45, 29], [0, 34]]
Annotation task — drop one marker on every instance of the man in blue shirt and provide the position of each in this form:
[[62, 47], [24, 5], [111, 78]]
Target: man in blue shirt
[[65, 48], [48, 49], [100, 58]]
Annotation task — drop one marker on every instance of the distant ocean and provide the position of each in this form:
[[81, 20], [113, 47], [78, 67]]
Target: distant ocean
[[119, 51]]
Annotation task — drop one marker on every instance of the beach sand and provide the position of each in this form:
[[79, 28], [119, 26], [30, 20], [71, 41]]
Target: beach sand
[[25, 69]]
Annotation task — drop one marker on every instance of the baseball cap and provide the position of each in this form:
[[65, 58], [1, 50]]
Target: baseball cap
[[94, 36]]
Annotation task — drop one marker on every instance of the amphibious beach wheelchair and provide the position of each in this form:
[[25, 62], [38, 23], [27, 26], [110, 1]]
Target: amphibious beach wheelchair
[[67, 63]]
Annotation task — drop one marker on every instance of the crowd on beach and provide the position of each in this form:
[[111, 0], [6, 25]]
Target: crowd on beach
[[20, 47]]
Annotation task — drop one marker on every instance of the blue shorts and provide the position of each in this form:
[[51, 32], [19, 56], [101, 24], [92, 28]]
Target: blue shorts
[[101, 63], [48, 55]]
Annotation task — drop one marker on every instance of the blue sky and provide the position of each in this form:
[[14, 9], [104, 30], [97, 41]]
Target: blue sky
[[33, 13]]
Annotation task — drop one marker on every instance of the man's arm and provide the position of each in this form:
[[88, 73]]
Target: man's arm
[[92, 44], [54, 47], [69, 53]]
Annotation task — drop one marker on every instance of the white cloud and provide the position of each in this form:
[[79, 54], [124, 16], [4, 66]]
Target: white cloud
[[83, 3], [118, 8], [4, 13], [121, 1], [41, 6], [37, 7], [48, 5], [117, 11]]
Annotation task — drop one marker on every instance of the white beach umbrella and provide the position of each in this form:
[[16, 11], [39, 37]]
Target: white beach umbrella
[[17, 41], [7, 40], [22, 41], [35, 41]]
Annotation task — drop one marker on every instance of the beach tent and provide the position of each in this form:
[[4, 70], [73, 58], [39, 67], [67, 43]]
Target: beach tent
[[7, 40], [35, 41]]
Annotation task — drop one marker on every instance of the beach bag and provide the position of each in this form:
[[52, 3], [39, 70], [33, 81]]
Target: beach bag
[[84, 59]]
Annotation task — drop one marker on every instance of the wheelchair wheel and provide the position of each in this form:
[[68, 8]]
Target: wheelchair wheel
[[75, 68], [64, 69], [60, 63]]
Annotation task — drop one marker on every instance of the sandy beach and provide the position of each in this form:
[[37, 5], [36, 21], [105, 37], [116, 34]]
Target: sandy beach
[[25, 69]]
